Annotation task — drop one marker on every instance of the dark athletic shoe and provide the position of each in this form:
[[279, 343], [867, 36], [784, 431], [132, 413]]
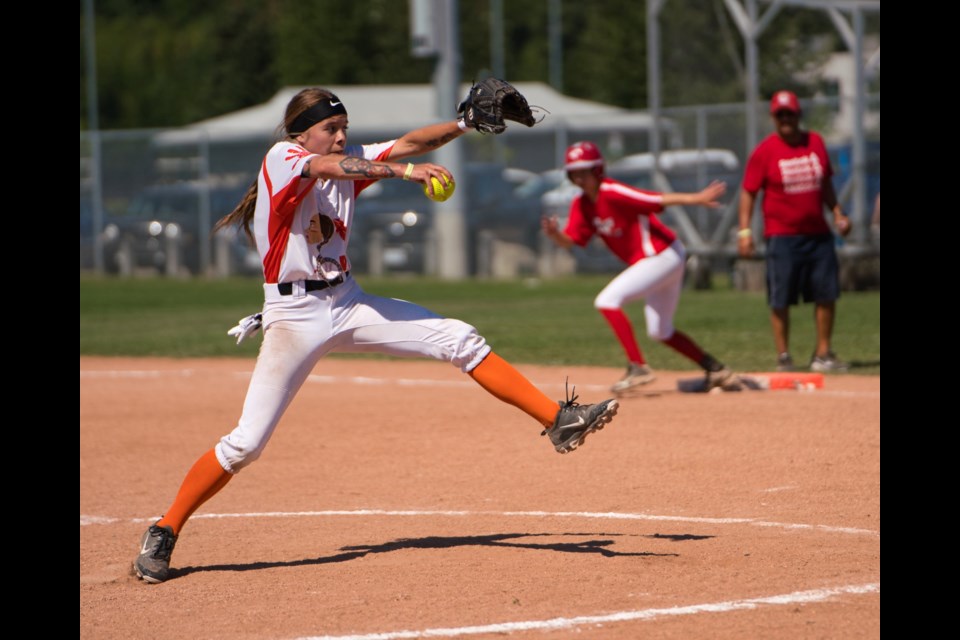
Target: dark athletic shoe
[[574, 422], [153, 563]]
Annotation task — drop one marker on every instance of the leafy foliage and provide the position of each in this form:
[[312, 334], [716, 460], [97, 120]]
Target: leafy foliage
[[171, 62]]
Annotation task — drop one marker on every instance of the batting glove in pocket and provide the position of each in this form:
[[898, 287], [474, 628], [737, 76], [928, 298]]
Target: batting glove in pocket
[[247, 327]]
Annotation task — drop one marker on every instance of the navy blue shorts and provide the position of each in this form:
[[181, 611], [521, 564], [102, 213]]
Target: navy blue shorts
[[801, 266]]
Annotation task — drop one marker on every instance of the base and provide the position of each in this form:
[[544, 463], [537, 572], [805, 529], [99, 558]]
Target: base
[[773, 381]]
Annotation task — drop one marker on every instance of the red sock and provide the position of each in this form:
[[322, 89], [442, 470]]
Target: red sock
[[498, 377], [203, 481], [681, 343], [624, 331]]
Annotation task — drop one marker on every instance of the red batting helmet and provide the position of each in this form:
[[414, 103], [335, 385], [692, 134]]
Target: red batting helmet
[[784, 101], [582, 155]]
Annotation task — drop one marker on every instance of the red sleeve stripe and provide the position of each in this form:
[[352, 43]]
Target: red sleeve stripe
[[282, 207]]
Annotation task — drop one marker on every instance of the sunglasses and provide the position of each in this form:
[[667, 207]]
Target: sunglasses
[[784, 114]]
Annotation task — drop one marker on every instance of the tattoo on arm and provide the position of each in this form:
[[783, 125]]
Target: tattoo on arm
[[366, 168], [433, 143]]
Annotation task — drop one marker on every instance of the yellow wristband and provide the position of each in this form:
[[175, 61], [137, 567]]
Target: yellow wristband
[[408, 172], [744, 233]]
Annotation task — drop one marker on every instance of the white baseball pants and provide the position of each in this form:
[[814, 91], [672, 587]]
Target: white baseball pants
[[302, 328]]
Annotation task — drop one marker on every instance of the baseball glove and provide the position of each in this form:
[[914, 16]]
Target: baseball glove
[[490, 102]]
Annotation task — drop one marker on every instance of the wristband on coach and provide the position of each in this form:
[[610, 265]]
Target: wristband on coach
[[744, 233], [408, 172]]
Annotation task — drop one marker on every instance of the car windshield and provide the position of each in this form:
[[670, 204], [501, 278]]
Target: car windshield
[[540, 184]]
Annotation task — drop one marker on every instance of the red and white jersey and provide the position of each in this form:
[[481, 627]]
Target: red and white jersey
[[792, 179], [293, 239], [623, 217]]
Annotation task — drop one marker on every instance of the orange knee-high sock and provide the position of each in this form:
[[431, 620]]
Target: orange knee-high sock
[[203, 481], [498, 377]]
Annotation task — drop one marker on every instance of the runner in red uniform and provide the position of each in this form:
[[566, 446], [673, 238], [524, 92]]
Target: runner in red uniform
[[624, 218]]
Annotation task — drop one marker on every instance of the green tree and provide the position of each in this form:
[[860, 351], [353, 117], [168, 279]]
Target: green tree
[[167, 63], [170, 63], [330, 42], [606, 55]]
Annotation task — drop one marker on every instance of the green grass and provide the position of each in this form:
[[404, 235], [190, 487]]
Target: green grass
[[529, 321]]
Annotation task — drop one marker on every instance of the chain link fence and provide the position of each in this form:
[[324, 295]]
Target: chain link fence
[[148, 204]]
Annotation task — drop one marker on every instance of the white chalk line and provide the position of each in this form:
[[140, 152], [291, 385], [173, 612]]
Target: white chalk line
[[417, 382], [132, 373], [816, 595], [776, 489], [798, 597], [555, 624], [86, 520]]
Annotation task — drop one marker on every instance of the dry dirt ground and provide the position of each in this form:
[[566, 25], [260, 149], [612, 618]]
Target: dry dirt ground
[[398, 500]]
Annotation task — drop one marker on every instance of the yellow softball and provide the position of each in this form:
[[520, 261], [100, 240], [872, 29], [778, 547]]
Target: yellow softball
[[440, 192]]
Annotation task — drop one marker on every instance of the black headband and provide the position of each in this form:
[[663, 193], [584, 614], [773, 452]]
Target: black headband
[[317, 113]]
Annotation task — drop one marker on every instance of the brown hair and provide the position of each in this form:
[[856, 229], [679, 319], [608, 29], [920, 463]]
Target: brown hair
[[243, 213]]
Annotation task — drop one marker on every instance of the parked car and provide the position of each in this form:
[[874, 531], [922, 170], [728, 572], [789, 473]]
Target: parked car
[[686, 170], [165, 218], [495, 198], [514, 214], [398, 211]]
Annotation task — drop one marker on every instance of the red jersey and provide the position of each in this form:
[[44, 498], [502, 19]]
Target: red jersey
[[792, 178], [622, 216]]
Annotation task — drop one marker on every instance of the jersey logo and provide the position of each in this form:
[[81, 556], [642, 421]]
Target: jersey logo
[[801, 175], [579, 423], [320, 230], [329, 269], [604, 226], [295, 153]]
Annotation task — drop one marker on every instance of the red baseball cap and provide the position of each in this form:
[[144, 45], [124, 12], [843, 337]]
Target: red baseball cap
[[784, 101], [582, 155]]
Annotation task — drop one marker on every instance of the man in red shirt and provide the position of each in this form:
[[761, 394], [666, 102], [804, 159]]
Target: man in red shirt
[[793, 169], [624, 218]]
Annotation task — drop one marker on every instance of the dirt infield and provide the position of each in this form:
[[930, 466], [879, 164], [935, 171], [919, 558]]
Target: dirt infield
[[399, 500]]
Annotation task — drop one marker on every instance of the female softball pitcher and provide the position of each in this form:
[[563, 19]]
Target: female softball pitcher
[[301, 211], [624, 218]]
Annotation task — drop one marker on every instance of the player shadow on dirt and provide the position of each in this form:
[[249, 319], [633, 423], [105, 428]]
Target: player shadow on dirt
[[505, 540]]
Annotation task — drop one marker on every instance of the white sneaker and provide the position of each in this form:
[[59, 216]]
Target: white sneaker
[[719, 378], [828, 363], [636, 375]]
